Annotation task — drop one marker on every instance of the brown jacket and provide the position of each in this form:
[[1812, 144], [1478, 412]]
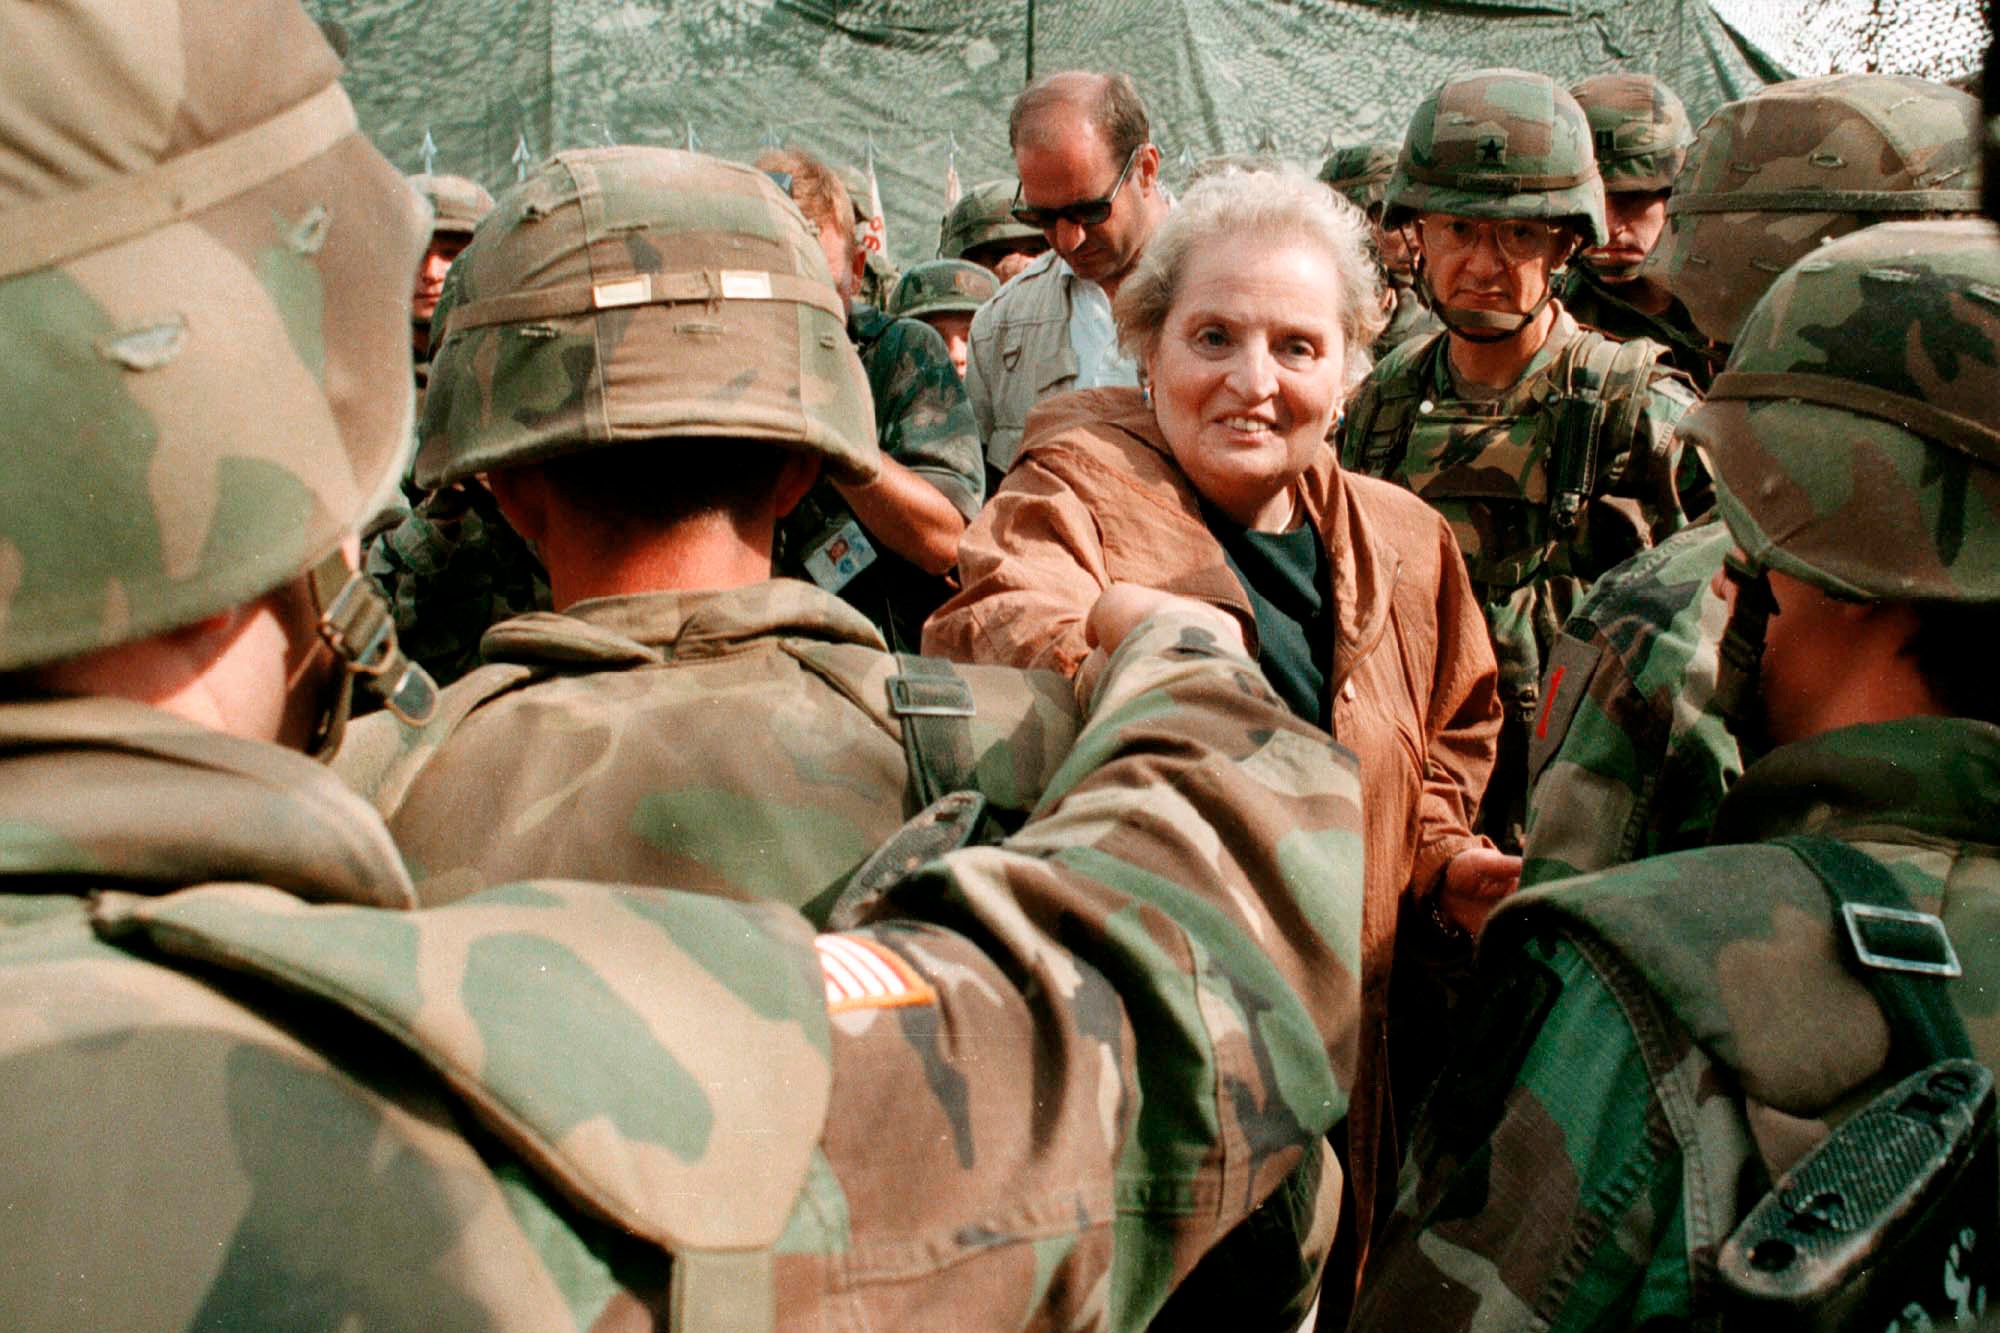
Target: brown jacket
[[1094, 498]]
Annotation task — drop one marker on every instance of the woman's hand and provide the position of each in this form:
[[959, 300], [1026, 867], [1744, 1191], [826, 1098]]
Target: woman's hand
[[1473, 882]]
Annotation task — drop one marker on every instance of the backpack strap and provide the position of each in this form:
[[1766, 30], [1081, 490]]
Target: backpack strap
[[1902, 955], [1601, 391], [1377, 432], [935, 708]]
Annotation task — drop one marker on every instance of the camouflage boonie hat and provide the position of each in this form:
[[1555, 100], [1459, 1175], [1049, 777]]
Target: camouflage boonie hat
[[457, 204], [624, 294], [942, 287], [1499, 143], [1360, 172], [1774, 175], [204, 316], [1638, 128], [1855, 436], [982, 216]]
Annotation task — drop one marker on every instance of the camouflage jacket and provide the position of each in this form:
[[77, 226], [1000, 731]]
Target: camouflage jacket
[[1504, 471], [1657, 1043], [739, 743], [569, 1106], [923, 421], [1597, 305], [1627, 759], [451, 568]]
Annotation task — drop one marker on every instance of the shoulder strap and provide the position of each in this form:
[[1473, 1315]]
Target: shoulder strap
[[1902, 955], [1601, 389], [1378, 420], [934, 706]]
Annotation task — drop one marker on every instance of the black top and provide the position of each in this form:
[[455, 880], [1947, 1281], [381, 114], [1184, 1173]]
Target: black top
[[1286, 575]]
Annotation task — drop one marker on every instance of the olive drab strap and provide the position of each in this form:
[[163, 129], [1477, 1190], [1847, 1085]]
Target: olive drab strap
[[1601, 391], [1385, 407], [1902, 955], [934, 706]]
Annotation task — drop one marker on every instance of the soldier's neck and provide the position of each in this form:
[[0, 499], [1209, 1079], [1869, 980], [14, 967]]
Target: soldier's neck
[[702, 553], [1498, 364]]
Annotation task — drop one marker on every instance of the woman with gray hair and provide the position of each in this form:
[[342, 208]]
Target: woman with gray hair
[[1249, 314]]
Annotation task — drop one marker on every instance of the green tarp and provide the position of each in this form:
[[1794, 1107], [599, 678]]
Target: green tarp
[[493, 82]]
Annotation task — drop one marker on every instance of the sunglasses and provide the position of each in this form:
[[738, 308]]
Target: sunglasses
[[1086, 214]]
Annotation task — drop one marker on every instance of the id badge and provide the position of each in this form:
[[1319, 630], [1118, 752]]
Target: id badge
[[835, 561]]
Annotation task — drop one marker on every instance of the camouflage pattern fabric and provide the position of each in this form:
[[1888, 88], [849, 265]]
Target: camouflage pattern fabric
[[1360, 172], [553, 320], [1498, 143], [1627, 759], [1638, 127], [1773, 176], [982, 215], [450, 569], [1410, 319], [457, 204], [942, 286], [1661, 1042], [1495, 469], [923, 421], [1106, 1040], [149, 351], [737, 743], [1597, 305]]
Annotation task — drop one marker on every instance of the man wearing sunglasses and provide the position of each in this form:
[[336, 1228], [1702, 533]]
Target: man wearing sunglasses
[[1090, 182]]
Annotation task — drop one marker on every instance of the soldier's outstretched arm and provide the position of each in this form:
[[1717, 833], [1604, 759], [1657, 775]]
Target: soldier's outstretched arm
[[1124, 1026]]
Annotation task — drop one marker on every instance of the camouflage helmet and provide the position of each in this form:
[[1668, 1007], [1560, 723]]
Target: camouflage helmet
[[942, 287], [1360, 172], [982, 216], [625, 294], [1499, 143], [204, 290], [1774, 175], [456, 203], [1855, 436], [1639, 129]]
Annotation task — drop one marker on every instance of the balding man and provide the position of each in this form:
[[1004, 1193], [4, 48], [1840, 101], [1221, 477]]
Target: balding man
[[1090, 180]]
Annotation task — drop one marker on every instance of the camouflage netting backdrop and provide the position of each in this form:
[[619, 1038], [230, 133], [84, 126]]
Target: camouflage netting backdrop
[[484, 78]]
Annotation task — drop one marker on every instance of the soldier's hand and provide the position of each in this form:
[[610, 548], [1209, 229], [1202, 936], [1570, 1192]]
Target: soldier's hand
[[1474, 882], [1124, 605]]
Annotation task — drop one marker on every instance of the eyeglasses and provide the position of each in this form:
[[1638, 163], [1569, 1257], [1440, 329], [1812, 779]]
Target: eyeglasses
[[1519, 240], [1086, 214]]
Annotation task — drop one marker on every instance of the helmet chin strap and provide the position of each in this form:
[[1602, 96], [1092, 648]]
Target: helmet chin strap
[[1738, 699]]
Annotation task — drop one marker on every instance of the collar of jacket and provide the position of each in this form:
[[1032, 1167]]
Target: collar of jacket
[[1530, 385], [106, 789], [1935, 776], [648, 628], [1362, 566]]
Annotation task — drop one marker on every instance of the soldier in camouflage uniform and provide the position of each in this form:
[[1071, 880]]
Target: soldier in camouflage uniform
[[878, 275], [1641, 133], [247, 1085], [980, 229], [886, 545], [1660, 1041], [1359, 173], [1549, 448], [457, 204], [1629, 758], [945, 294]]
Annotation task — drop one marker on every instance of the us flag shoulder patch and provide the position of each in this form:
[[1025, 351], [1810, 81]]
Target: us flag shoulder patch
[[861, 974]]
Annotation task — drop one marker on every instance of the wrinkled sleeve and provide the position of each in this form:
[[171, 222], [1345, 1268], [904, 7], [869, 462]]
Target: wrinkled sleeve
[[926, 421], [981, 374], [1543, 1184], [1138, 1013], [1030, 568], [1462, 722]]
